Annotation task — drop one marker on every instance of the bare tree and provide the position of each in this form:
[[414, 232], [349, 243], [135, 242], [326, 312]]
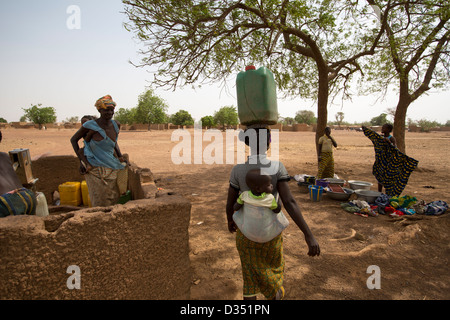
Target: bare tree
[[339, 118]]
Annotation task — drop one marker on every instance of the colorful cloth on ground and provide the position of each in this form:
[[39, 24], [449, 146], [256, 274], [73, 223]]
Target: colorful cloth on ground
[[326, 165], [105, 102], [361, 208], [18, 202], [436, 208], [391, 168], [420, 207], [402, 202], [101, 153], [102, 186], [382, 200], [262, 265]]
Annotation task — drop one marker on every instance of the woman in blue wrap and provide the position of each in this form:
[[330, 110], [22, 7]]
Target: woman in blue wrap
[[101, 159]]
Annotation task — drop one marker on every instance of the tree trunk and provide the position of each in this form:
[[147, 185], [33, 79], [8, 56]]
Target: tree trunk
[[400, 118], [322, 104]]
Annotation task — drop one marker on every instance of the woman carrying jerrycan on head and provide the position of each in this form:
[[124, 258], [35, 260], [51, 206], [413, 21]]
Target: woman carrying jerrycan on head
[[262, 262]]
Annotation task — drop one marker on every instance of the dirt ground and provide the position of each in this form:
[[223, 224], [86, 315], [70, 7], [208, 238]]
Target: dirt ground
[[412, 253]]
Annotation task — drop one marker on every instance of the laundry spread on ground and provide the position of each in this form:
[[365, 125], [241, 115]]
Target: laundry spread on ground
[[395, 206], [384, 204]]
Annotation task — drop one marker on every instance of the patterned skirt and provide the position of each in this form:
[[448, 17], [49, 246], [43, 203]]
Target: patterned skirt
[[326, 165], [102, 186], [262, 265]]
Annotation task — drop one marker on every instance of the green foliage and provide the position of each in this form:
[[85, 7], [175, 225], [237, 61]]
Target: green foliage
[[226, 116], [426, 125], [125, 116], [208, 121], [413, 53], [3, 120], [182, 118], [39, 115], [198, 40], [379, 120], [150, 109], [315, 48], [305, 116], [287, 121]]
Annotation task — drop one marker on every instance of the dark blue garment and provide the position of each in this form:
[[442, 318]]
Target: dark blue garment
[[436, 208], [392, 167]]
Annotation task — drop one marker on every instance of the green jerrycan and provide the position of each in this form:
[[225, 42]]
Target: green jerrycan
[[257, 96]]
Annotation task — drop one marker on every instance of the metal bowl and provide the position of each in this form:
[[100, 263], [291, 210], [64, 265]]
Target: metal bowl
[[339, 182], [367, 195], [342, 196], [360, 185]]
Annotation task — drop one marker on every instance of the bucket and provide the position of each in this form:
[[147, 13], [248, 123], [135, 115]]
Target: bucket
[[322, 183], [85, 194], [70, 193], [315, 193], [310, 179], [303, 187], [256, 96]]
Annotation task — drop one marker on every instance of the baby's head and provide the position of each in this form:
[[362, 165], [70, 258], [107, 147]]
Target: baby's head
[[87, 118], [258, 182], [387, 128]]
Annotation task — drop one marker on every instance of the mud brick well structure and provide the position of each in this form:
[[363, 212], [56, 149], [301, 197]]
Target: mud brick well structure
[[138, 250]]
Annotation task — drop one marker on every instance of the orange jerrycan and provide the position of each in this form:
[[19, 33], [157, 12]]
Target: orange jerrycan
[[257, 96]]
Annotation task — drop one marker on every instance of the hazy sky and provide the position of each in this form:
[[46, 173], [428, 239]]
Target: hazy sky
[[45, 60]]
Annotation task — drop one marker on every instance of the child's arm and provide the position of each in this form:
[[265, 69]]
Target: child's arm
[[239, 203], [237, 206], [89, 135]]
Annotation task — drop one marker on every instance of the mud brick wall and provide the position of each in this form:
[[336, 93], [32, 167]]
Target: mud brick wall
[[138, 250], [53, 171]]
